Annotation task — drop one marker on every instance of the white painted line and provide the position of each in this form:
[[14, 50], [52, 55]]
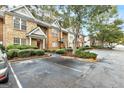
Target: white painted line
[[16, 78], [70, 68]]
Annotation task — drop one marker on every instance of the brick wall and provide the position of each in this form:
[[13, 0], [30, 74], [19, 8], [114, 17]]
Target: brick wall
[[1, 29], [10, 32], [51, 39]]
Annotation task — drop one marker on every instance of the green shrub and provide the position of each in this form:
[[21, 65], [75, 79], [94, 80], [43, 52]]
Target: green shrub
[[83, 54], [98, 47], [21, 47], [12, 53], [25, 53], [77, 52], [30, 52], [38, 52], [2, 47], [85, 48], [60, 51]]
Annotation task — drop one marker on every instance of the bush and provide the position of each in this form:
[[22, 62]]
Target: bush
[[25, 53], [21, 47], [85, 48], [81, 54], [2, 47], [12, 53], [39, 52], [60, 51], [98, 47]]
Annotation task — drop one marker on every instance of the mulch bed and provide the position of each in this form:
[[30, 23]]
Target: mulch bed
[[16, 59], [70, 55]]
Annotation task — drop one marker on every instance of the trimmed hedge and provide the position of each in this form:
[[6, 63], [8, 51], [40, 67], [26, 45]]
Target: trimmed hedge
[[39, 52], [21, 47], [81, 54], [24, 53], [85, 48], [60, 51], [98, 47], [12, 53]]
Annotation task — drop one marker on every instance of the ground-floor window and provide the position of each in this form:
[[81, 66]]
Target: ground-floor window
[[16, 40], [54, 44], [20, 41], [23, 41]]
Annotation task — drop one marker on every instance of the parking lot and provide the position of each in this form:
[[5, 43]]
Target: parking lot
[[57, 72]]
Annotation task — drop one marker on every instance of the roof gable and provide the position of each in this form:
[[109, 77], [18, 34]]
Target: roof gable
[[37, 31], [56, 24], [23, 10]]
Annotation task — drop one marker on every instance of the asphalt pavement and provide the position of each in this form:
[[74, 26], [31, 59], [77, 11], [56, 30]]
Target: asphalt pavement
[[59, 72]]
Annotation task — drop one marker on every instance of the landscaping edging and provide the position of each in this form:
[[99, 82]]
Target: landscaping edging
[[81, 59]]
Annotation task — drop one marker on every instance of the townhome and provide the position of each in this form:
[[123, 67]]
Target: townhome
[[19, 26]]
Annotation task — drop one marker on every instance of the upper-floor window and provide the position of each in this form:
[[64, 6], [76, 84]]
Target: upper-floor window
[[54, 33], [23, 24], [19, 23]]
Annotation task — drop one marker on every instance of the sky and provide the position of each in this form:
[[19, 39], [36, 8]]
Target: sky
[[120, 9]]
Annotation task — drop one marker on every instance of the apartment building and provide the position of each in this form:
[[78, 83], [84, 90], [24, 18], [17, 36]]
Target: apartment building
[[19, 26]]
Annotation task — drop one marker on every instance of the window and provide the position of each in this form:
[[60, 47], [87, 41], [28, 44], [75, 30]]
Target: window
[[54, 44], [19, 23], [23, 24], [20, 41], [23, 41], [16, 40], [54, 33]]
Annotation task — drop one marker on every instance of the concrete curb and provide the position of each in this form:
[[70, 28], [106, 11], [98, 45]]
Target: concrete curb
[[81, 59], [23, 59]]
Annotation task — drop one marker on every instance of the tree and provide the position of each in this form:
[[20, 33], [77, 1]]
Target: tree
[[100, 21], [74, 17], [103, 24]]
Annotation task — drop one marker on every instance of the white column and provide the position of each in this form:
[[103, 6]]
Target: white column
[[43, 43], [29, 40]]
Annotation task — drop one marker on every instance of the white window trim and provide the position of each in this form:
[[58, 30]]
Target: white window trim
[[20, 23], [54, 44], [17, 43], [20, 41]]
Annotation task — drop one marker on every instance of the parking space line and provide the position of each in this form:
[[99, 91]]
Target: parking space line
[[16, 78], [70, 68]]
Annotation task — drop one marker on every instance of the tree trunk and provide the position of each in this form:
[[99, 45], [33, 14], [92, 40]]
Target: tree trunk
[[74, 45], [75, 40]]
